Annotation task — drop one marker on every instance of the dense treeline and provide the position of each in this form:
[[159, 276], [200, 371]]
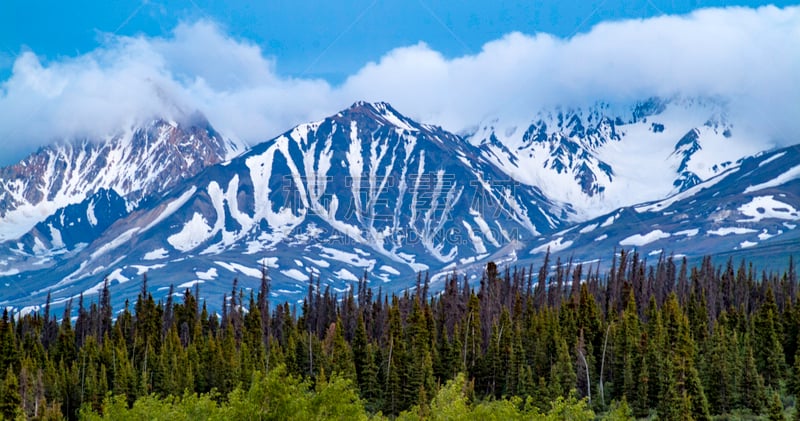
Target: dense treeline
[[663, 339]]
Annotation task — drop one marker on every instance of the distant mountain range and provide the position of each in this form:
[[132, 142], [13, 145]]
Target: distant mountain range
[[369, 192]]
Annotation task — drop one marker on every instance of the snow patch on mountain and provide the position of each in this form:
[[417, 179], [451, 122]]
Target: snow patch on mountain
[[675, 198], [142, 269], [190, 284], [644, 239], [772, 158], [208, 275], [90, 216], [113, 244], [346, 275], [239, 268], [553, 246], [731, 230], [790, 174], [295, 274], [194, 232], [157, 254], [762, 207]]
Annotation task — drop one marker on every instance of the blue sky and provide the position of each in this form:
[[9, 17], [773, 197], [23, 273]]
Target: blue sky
[[84, 69], [316, 38]]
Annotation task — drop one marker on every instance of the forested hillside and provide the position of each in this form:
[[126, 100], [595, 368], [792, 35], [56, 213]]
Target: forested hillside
[[561, 341]]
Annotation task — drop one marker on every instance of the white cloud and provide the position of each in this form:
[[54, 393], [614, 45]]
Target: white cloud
[[747, 56]]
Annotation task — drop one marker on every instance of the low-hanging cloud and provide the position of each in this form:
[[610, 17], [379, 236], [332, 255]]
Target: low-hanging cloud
[[748, 57]]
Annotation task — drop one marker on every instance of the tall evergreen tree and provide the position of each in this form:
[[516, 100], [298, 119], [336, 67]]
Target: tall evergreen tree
[[10, 399], [683, 393], [775, 408], [767, 344]]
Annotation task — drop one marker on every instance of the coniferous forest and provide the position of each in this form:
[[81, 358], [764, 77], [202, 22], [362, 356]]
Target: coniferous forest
[[663, 339]]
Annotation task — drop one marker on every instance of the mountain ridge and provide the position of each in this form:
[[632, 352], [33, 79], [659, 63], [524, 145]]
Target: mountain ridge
[[369, 190]]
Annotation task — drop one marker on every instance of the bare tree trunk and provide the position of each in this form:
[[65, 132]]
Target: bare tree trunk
[[588, 380], [602, 366], [389, 363], [466, 338]]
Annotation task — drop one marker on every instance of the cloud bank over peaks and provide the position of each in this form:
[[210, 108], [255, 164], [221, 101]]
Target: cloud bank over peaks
[[748, 57], [129, 80]]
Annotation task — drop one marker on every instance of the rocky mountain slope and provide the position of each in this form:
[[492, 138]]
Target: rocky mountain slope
[[135, 163]]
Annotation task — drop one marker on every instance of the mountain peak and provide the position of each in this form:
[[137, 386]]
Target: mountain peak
[[382, 112], [377, 106]]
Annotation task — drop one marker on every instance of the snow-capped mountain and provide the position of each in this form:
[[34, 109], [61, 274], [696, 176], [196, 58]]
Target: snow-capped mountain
[[607, 156], [752, 205], [366, 189], [135, 163], [370, 192]]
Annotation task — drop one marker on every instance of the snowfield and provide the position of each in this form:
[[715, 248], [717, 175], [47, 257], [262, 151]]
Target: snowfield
[[763, 207], [731, 230], [554, 246], [641, 240]]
